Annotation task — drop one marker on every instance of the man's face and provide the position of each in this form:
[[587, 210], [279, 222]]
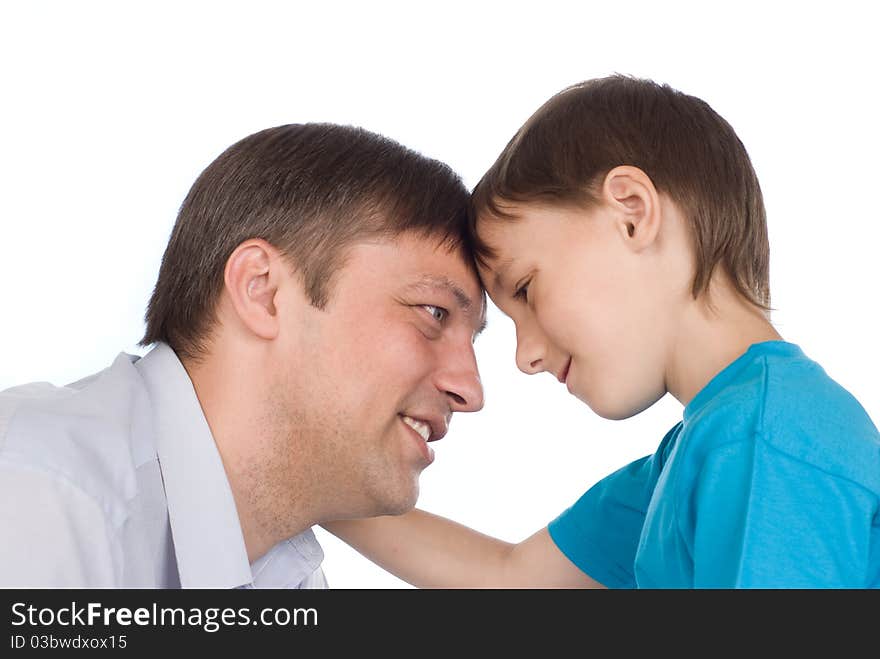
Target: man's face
[[375, 376]]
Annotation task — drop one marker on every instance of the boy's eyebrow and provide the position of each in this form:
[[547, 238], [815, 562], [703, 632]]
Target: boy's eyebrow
[[465, 303], [501, 272]]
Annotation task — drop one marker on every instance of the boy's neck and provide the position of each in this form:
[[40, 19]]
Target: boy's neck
[[710, 337]]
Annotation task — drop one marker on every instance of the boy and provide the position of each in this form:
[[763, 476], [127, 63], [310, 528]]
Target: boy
[[623, 230]]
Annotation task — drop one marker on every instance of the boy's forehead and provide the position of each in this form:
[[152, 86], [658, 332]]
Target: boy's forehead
[[496, 272], [515, 224], [499, 236], [512, 238]]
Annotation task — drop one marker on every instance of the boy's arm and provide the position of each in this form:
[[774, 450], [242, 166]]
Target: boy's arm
[[429, 551]]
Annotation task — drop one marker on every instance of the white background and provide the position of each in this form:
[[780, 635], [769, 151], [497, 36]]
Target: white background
[[109, 111]]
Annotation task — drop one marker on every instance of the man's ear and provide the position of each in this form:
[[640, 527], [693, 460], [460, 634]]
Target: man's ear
[[251, 278], [631, 193]]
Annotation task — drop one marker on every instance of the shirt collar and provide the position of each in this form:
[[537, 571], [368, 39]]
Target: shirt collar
[[289, 562], [208, 542], [730, 372]]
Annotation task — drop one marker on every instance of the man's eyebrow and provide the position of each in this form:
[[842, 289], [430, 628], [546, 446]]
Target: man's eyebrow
[[465, 303]]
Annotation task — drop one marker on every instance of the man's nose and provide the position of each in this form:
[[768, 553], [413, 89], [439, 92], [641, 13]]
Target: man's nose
[[460, 380]]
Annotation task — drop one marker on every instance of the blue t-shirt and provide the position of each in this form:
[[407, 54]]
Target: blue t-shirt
[[772, 480]]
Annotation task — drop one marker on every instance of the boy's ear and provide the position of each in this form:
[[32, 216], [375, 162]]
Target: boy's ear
[[251, 279], [631, 193]]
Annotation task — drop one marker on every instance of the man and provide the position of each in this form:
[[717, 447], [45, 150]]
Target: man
[[313, 323]]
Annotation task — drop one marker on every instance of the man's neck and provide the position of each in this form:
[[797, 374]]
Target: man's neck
[[269, 484]]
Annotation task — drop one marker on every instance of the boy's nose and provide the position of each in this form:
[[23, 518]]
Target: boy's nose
[[529, 353]]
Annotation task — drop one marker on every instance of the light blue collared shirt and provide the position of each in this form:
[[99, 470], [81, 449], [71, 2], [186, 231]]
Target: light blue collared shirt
[[115, 481]]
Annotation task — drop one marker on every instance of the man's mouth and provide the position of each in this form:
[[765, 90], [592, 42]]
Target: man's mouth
[[420, 427], [421, 436]]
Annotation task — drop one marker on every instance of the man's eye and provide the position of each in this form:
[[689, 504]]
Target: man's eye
[[439, 313]]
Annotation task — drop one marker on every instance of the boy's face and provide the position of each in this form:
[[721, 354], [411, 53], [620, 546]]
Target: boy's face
[[587, 308]]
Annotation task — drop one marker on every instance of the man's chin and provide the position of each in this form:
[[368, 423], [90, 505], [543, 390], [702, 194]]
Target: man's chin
[[402, 502]]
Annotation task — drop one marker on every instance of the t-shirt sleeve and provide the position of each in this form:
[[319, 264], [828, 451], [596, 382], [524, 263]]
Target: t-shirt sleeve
[[758, 517], [600, 532]]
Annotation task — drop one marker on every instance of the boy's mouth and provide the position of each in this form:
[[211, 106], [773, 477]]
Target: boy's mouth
[[562, 376]]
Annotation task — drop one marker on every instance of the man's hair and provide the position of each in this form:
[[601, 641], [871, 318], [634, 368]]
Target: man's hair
[[310, 190], [564, 150]]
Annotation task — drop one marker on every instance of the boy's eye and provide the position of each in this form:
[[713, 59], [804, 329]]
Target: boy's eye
[[522, 292], [439, 313]]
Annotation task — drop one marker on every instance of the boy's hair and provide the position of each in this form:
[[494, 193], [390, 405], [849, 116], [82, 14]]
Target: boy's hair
[[312, 191], [563, 152]]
